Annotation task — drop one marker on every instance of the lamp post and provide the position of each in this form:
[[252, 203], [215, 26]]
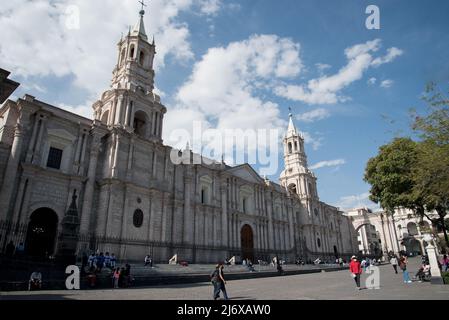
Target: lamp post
[[433, 260]]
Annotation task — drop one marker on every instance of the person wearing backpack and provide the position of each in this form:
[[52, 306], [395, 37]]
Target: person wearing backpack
[[215, 283]]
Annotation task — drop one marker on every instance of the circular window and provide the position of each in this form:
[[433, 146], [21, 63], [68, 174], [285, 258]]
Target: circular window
[[139, 200], [138, 218], [318, 242]]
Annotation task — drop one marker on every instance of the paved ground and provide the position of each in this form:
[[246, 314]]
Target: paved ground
[[326, 285]]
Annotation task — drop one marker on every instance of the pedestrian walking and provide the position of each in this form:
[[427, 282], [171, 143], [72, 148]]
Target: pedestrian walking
[[356, 271], [394, 263], [220, 283], [445, 263], [115, 278], [403, 265]]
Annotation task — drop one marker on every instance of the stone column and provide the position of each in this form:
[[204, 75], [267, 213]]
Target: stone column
[[160, 125], [165, 204], [291, 227], [119, 116], [268, 203], [89, 188], [33, 139], [188, 214], [224, 214], [11, 171], [115, 159], [434, 269], [36, 159]]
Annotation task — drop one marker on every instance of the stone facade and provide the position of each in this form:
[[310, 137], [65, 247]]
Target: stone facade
[[401, 231], [133, 200]]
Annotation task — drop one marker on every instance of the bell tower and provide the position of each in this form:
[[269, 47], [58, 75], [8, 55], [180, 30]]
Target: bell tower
[[130, 103], [296, 177], [135, 60]]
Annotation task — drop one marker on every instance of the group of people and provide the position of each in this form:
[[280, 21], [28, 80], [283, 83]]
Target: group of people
[[97, 261]]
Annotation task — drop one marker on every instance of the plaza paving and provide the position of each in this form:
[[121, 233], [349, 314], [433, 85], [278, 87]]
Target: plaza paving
[[325, 285]]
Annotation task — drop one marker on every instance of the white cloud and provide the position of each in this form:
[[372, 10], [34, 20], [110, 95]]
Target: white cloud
[[221, 88], [314, 141], [314, 115], [84, 110], [356, 201], [372, 81], [387, 83], [37, 42], [210, 7], [322, 66], [326, 89], [392, 53], [329, 163]]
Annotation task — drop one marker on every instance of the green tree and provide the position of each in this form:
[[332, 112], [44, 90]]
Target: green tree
[[431, 173], [390, 175]]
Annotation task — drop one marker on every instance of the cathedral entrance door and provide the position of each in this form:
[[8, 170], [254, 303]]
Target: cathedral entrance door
[[247, 242], [41, 233]]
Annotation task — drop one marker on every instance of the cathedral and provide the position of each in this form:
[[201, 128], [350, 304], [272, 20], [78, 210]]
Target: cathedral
[[113, 178]]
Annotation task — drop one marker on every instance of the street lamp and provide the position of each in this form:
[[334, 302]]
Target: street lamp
[[433, 260]]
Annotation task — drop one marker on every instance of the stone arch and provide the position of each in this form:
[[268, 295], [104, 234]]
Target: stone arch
[[42, 232], [292, 188], [105, 117], [412, 229], [206, 189], [247, 242], [131, 52], [122, 56], [246, 195], [140, 123], [142, 56]]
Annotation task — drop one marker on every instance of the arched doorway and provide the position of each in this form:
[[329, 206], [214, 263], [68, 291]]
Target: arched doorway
[[412, 246], [41, 233], [247, 242]]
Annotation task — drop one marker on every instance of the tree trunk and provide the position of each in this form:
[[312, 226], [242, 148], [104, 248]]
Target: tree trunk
[[442, 214]]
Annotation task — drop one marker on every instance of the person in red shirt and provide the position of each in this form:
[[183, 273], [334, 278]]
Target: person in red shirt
[[356, 270]]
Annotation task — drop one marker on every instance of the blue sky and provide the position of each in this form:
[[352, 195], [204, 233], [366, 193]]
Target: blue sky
[[366, 107]]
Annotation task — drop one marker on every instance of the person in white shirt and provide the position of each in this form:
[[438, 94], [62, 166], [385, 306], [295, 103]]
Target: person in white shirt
[[394, 263]]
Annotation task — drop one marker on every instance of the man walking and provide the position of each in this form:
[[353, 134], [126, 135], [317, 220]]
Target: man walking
[[356, 271], [394, 263], [219, 282]]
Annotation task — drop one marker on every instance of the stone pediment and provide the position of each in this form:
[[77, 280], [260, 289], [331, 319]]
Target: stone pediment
[[61, 134], [246, 172]]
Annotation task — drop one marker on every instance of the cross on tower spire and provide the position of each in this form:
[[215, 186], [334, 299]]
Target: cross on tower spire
[[142, 11]]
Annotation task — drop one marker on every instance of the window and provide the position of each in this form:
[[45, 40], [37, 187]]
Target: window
[[54, 158], [122, 57], [203, 196], [296, 146], [131, 53], [138, 218], [244, 205], [289, 147], [318, 242], [141, 58]]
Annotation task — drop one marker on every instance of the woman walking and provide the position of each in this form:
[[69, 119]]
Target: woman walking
[[116, 277], [394, 263], [356, 270], [403, 265]]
